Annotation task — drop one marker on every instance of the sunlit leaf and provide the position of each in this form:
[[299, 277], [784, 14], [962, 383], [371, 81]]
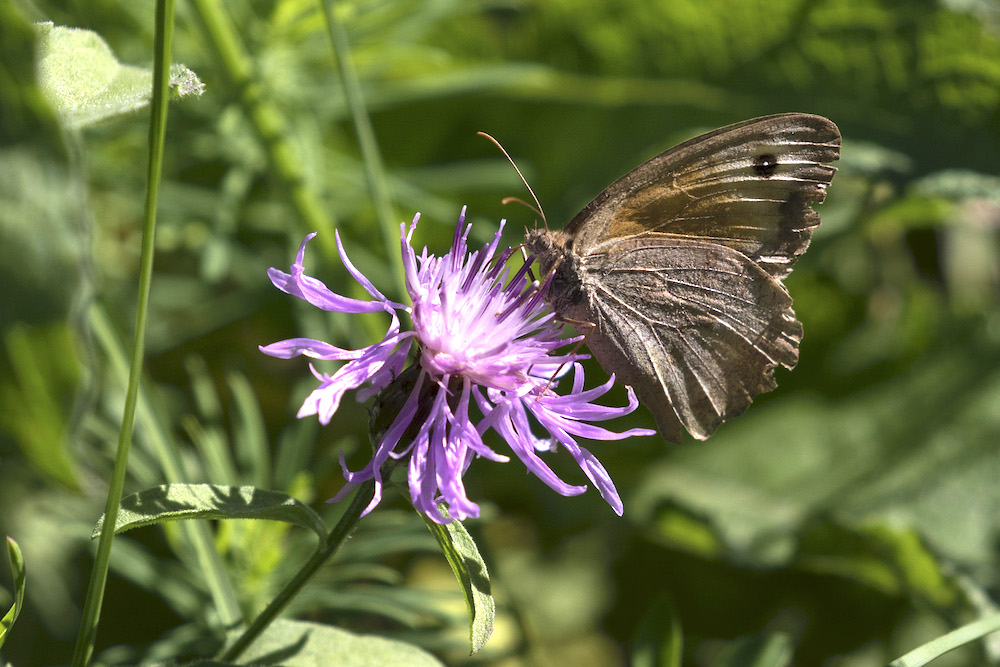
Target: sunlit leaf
[[170, 502], [85, 82], [934, 649], [470, 570], [300, 643]]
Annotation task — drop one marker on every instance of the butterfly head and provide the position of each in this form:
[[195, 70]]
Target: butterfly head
[[553, 250]]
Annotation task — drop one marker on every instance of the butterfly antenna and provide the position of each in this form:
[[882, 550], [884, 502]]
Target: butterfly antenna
[[537, 208], [518, 200]]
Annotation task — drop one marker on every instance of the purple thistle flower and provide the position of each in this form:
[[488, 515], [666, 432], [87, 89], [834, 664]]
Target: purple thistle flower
[[487, 343]]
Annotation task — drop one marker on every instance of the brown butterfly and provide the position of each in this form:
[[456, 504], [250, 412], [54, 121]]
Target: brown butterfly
[[678, 266]]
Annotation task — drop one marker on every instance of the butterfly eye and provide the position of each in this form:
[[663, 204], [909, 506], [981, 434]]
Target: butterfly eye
[[765, 165]]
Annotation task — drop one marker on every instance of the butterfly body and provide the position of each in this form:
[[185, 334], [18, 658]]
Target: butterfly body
[[678, 266]]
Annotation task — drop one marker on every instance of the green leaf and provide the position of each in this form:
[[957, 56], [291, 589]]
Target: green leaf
[[659, 641], [85, 83], [303, 644], [170, 502], [758, 485], [773, 650], [879, 555], [470, 570], [17, 571]]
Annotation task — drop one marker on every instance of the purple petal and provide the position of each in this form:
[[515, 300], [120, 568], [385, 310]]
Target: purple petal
[[599, 476], [516, 432], [423, 482], [315, 292], [390, 370], [325, 399], [382, 453], [309, 347], [360, 277], [469, 434]]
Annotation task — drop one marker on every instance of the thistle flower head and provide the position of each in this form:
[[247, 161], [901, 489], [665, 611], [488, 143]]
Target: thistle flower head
[[488, 352]]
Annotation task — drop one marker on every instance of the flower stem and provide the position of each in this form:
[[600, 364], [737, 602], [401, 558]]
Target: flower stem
[[157, 134], [327, 550], [370, 154]]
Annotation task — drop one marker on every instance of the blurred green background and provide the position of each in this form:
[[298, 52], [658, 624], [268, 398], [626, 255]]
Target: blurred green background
[[847, 517]]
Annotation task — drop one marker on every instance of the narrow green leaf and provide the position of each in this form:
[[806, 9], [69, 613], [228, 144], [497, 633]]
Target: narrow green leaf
[[170, 502], [251, 433], [659, 641], [949, 642], [17, 571], [470, 570], [289, 642], [770, 650], [367, 142]]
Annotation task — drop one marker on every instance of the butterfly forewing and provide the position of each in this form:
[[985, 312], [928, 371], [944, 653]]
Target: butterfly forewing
[[749, 186], [678, 266]]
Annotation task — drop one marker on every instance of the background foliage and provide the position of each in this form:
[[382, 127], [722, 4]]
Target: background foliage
[[847, 517]]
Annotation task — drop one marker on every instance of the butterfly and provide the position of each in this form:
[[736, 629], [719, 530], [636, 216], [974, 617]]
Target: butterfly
[[676, 268]]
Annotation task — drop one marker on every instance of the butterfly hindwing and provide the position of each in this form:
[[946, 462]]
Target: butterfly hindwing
[[695, 328]]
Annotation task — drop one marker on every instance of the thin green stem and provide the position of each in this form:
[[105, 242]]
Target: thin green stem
[[378, 184], [325, 552], [157, 136], [268, 123]]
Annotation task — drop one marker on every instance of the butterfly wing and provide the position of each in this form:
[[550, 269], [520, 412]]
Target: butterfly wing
[[748, 186], [695, 328], [678, 264]]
